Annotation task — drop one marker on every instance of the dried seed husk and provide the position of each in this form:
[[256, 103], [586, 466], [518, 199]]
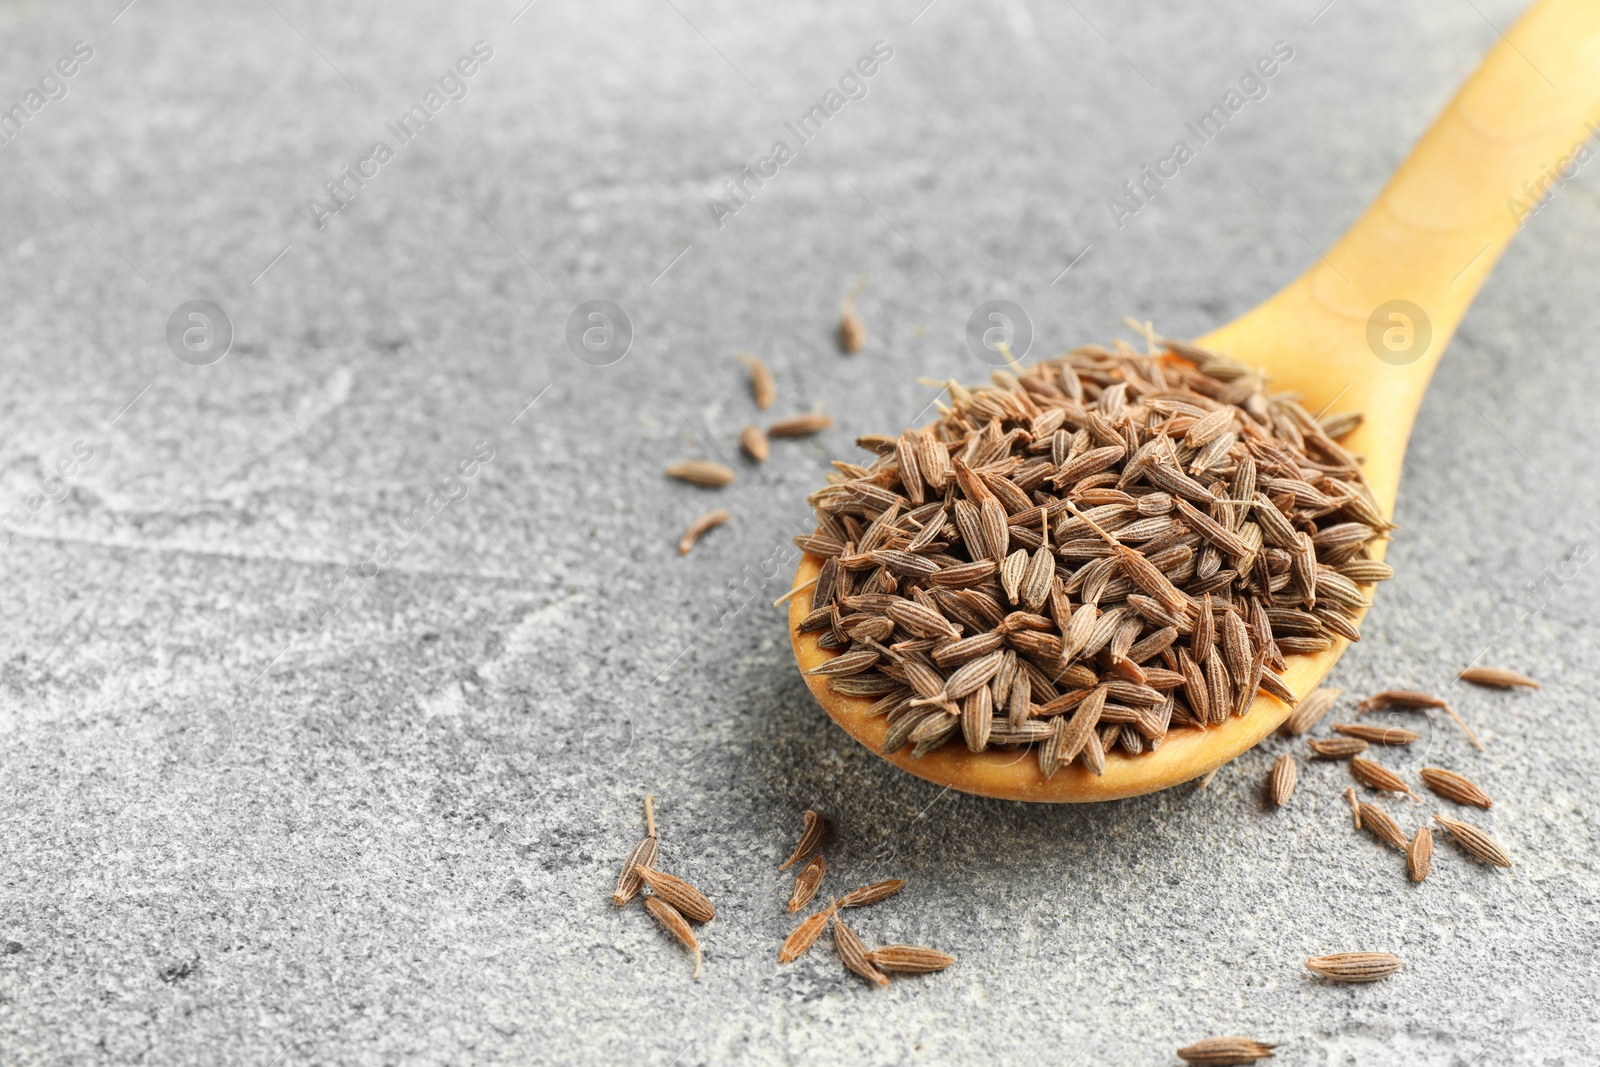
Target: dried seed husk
[[1410, 699], [1475, 841], [1355, 804], [852, 331], [701, 472], [762, 385], [1377, 822], [1310, 711], [680, 894], [800, 425], [709, 520], [673, 922], [1377, 776], [864, 895], [1280, 783], [628, 882], [1225, 1051], [1497, 678], [755, 444], [854, 954], [1354, 966], [1419, 854], [1378, 735], [799, 942], [909, 959], [1337, 747], [807, 882], [810, 837], [1456, 787]]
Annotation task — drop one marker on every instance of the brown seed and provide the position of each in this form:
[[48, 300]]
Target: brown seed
[[709, 520], [861, 896], [910, 959], [1475, 841], [1377, 776], [674, 924], [1354, 966], [852, 331], [1410, 699], [1280, 783], [699, 472], [1378, 735], [1377, 822], [1337, 747], [1225, 1051], [642, 854], [1419, 854], [1498, 679], [762, 385], [805, 935], [854, 954], [810, 837], [680, 894], [1355, 805], [806, 884], [754, 443], [1453, 786], [1310, 711], [800, 425]]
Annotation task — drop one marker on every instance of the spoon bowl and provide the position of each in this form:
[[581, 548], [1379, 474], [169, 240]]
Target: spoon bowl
[[1360, 331]]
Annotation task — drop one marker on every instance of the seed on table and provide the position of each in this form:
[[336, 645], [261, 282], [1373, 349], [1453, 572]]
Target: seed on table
[[680, 894], [762, 385], [1377, 776], [911, 959], [1280, 783], [1456, 787], [1378, 735], [810, 837], [1377, 822], [642, 855], [674, 923], [1411, 700], [1354, 966], [1475, 841], [805, 935], [1225, 1051], [1419, 854], [702, 473], [1355, 804], [710, 520], [852, 331], [805, 886], [754, 443], [854, 953], [1496, 678], [864, 895], [1337, 747], [800, 425]]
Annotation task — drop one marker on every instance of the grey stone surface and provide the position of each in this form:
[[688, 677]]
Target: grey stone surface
[[234, 832]]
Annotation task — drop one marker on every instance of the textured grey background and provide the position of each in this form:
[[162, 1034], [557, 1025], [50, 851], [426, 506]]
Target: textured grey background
[[403, 850]]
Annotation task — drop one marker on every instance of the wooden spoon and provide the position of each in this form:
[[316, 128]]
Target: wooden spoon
[[1333, 335]]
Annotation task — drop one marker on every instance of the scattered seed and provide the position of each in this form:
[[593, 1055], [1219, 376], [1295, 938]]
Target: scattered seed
[[754, 443], [709, 520], [1225, 1051], [852, 331], [800, 425], [910, 959], [642, 854], [861, 896], [674, 924], [1498, 679], [1453, 786], [1310, 711], [1378, 735], [1377, 822], [805, 935], [815, 827], [699, 472], [762, 385], [1337, 747], [854, 954], [1377, 776], [805, 886], [1410, 699], [1419, 854], [1280, 783], [680, 894], [1355, 804], [1354, 966], [1475, 841]]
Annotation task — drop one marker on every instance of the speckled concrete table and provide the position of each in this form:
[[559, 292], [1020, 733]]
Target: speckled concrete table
[[335, 669]]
